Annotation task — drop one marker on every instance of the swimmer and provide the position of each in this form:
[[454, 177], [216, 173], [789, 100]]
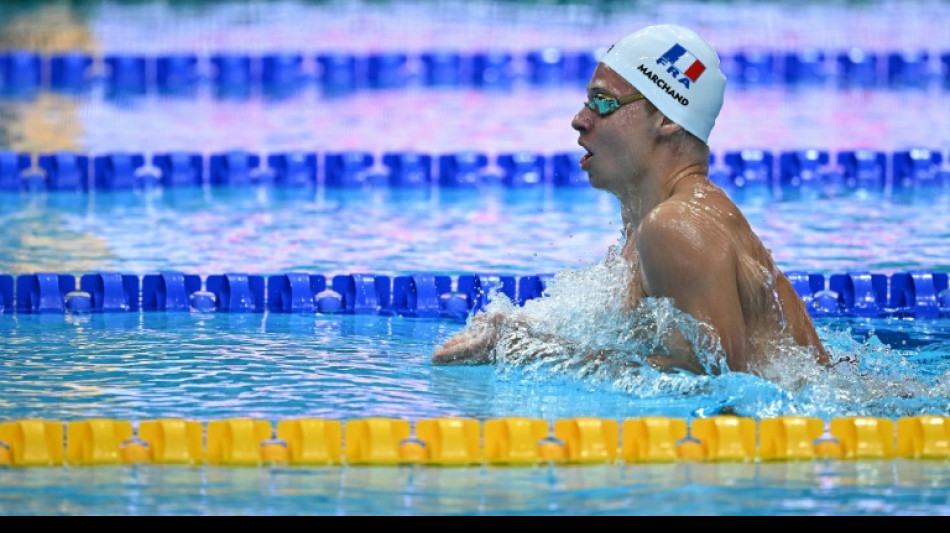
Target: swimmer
[[651, 104]]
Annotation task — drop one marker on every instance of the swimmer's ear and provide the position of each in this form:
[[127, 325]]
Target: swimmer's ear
[[668, 127]]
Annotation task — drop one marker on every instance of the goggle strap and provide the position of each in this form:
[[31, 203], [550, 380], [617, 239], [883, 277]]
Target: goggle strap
[[632, 98]]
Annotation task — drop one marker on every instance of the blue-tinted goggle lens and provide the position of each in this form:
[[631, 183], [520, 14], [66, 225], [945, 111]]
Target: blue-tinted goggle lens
[[603, 105]]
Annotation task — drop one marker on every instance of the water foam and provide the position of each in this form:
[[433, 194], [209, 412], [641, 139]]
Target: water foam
[[583, 330]]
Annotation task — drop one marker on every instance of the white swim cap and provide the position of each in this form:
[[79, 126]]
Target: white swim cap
[[676, 70]]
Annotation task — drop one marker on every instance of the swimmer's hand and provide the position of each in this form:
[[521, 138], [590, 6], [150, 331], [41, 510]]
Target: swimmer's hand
[[475, 345]]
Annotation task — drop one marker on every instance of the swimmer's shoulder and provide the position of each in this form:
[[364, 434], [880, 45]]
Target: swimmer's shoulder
[[715, 204], [676, 226], [684, 225], [694, 210]]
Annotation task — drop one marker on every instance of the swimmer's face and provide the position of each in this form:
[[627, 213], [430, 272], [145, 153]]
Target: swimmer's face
[[610, 134]]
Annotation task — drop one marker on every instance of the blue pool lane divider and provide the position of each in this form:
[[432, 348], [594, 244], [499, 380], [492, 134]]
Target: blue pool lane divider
[[866, 169], [805, 67], [126, 75], [917, 167], [363, 294], [117, 171], [566, 170], [387, 70], [282, 74], [861, 294], [65, 171], [408, 169], [916, 294], [815, 171], [462, 170], [293, 169], [419, 295], [749, 173], [234, 168], [279, 74], [523, 169], [70, 72], [531, 287], [337, 72], [6, 293], [177, 74], [231, 75], [859, 68], [12, 168], [169, 291], [801, 167], [919, 294], [20, 74], [350, 169], [494, 70], [294, 292], [237, 293], [180, 169], [478, 288], [112, 292], [442, 68], [43, 292]]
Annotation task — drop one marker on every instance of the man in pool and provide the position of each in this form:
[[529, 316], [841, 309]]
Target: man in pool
[[651, 104]]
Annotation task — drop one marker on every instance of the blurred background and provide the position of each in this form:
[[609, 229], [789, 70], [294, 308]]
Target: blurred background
[[847, 97], [348, 74]]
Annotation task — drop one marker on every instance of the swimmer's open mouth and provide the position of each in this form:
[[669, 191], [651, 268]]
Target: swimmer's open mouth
[[586, 158]]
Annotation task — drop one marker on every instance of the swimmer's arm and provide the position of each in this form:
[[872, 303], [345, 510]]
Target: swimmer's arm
[[799, 322], [475, 345], [694, 267]]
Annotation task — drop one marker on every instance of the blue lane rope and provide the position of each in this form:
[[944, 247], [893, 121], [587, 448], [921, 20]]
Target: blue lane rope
[[916, 294], [280, 74], [773, 173]]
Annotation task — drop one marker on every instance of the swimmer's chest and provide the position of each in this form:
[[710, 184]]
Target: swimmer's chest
[[637, 290]]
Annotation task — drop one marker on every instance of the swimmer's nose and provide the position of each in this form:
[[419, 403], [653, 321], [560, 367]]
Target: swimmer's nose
[[581, 122]]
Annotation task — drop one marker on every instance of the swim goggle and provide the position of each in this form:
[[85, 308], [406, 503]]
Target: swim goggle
[[604, 105]]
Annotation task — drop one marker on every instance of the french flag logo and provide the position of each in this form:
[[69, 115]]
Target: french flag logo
[[683, 62]]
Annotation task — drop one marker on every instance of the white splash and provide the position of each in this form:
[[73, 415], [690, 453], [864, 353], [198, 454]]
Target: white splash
[[582, 329]]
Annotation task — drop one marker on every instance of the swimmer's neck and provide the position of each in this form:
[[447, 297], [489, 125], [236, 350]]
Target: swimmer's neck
[[654, 188]]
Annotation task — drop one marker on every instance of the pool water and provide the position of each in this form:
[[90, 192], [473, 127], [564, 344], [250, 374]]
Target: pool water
[[873, 488], [275, 367], [212, 366], [394, 232]]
